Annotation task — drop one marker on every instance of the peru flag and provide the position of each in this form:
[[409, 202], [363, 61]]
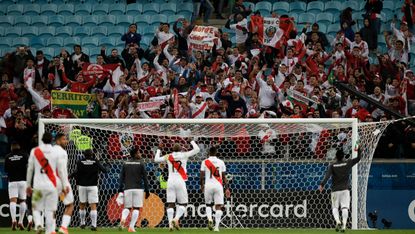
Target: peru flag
[[269, 31]]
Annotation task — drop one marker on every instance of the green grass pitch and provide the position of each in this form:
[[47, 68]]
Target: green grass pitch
[[227, 231]]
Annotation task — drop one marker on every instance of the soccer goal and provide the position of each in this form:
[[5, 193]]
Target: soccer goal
[[274, 166]]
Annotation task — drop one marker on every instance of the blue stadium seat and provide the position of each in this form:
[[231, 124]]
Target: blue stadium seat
[[315, 7], [54, 41], [31, 9], [151, 8], [116, 31], [322, 28], [142, 20], [99, 31], [168, 8], [124, 20], [66, 9], [65, 31], [118, 42], [111, 1], [85, 50], [45, 32], [298, 7], [90, 41], [247, 5], [13, 32], [43, 1], [352, 4], [81, 31], [145, 42], [117, 9], [281, 8], [22, 21], [37, 42], [3, 10], [94, 51], [5, 42], [48, 52], [149, 30], [263, 7], [73, 21], [71, 41], [157, 19], [173, 18], [56, 20], [306, 18], [90, 20], [83, 9], [8, 2], [6, 21], [159, 1], [16, 9], [24, 2], [107, 41], [389, 6], [332, 29], [357, 16], [333, 7], [100, 9], [49, 9], [106, 20], [20, 41], [398, 7], [60, 2], [326, 18], [185, 8], [134, 9], [1, 31], [39, 20]]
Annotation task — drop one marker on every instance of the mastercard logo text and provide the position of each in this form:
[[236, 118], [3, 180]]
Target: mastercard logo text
[[152, 210]]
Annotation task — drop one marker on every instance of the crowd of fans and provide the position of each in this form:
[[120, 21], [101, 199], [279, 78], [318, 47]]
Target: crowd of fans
[[242, 80]]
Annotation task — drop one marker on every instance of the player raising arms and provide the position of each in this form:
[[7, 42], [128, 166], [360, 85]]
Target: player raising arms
[[213, 181], [15, 166], [61, 143], [133, 176], [176, 183], [340, 171], [43, 167], [86, 175]]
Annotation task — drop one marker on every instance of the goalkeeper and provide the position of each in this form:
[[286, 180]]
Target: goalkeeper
[[87, 174], [132, 177], [339, 171]]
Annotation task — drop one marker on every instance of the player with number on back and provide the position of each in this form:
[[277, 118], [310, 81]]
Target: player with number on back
[[133, 177], [213, 181], [340, 171], [68, 199], [86, 175], [43, 166], [176, 183], [15, 166]]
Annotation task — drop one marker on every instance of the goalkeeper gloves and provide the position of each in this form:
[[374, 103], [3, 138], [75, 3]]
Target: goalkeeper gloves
[[120, 199], [147, 194]]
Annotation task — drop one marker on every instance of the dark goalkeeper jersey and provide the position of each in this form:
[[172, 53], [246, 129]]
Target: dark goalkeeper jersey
[[133, 175], [339, 171], [87, 172], [15, 166]]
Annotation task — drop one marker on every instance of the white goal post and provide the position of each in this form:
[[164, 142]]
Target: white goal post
[[274, 181]]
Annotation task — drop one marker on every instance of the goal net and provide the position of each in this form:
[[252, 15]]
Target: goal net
[[274, 166]]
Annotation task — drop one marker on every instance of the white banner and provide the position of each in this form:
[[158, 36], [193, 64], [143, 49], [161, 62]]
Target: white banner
[[272, 31], [201, 37], [164, 97], [148, 106]]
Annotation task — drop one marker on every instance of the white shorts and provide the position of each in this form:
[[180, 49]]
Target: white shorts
[[177, 191], [48, 200], [17, 189], [69, 198], [340, 199], [214, 194], [88, 194], [133, 198]]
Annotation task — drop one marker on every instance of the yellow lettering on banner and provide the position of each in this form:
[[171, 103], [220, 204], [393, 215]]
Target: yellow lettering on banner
[[79, 112]]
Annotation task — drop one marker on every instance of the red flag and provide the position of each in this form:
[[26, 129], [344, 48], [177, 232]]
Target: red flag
[[268, 29], [90, 70]]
